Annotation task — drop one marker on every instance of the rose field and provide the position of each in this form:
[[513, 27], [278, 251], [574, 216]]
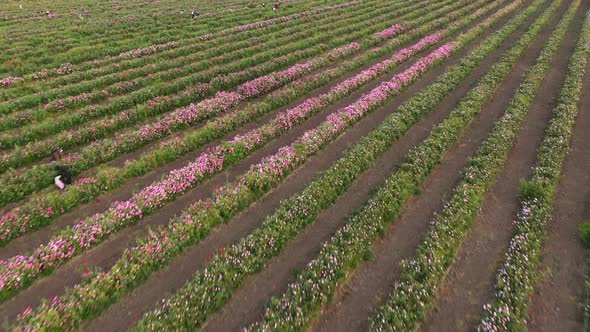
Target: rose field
[[294, 165]]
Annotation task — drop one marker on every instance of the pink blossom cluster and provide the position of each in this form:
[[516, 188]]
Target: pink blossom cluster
[[187, 116], [19, 269], [268, 82], [390, 32], [61, 103], [64, 69], [343, 51], [11, 80], [146, 50]]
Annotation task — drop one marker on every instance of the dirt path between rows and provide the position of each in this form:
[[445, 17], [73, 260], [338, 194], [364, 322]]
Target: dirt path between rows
[[105, 254], [167, 280], [470, 281], [370, 284], [559, 296]]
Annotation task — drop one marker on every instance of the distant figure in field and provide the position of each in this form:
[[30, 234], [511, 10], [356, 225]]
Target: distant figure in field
[[64, 176], [276, 6], [56, 154], [194, 14]]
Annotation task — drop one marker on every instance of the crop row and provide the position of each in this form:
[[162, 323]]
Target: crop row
[[185, 32], [315, 285], [140, 86], [155, 55], [42, 209], [182, 45], [104, 88], [150, 103], [35, 178], [162, 25], [520, 268], [258, 180], [422, 275], [155, 103]]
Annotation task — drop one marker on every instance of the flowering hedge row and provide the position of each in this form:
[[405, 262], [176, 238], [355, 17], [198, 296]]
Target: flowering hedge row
[[41, 210], [421, 276], [19, 271], [19, 183], [185, 43], [107, 88], [129, 89], [520, 268], [166, 71], [259, 179]]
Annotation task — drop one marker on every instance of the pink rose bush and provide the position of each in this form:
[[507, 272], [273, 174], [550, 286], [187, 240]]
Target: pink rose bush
[[11, 80], [390, 32]]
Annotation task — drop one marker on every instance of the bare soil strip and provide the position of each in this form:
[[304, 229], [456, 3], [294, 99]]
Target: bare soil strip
[[559, 297], [129, 308], [470, 281], [104, 255]]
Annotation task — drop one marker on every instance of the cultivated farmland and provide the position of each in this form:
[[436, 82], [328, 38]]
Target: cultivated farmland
[[324, 165]]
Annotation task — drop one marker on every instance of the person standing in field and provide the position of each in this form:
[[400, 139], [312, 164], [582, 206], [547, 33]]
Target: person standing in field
[[56, 154], [64, 174]]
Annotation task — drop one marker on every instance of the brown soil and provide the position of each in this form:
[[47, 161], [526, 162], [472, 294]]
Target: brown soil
[[470, 281], [558, 300], [105, 254]]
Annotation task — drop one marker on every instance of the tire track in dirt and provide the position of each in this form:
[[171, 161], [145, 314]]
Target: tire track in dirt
[[105, 254], [558, 300], [471, 279], [370, 284], [167, 280]]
